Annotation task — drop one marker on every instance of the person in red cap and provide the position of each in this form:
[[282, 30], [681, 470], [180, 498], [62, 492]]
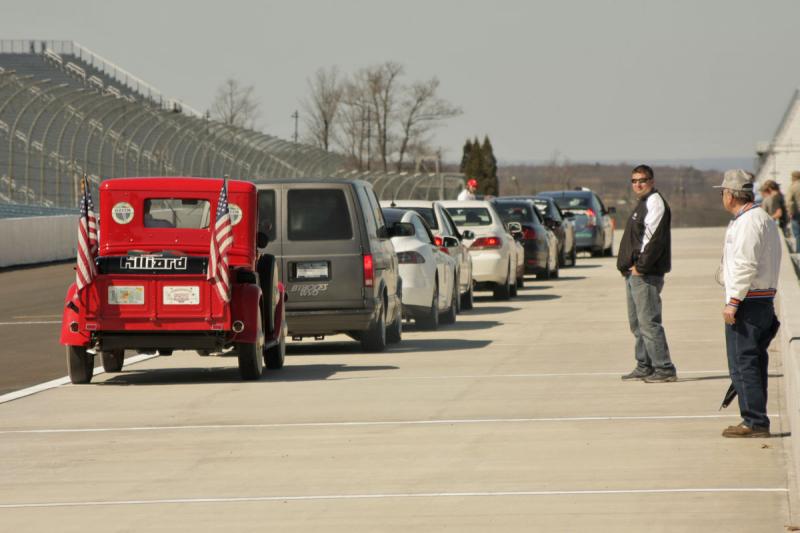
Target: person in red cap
[[469, 192]]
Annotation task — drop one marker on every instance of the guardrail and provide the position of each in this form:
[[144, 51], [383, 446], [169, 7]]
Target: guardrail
[[31, 240]]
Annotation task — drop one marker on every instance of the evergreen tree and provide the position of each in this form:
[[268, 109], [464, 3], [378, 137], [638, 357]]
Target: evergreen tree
[[487, 183], [465, 156], [473, 168]]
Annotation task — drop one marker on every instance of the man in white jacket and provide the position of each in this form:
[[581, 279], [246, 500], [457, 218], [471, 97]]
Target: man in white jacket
[[750, 264]]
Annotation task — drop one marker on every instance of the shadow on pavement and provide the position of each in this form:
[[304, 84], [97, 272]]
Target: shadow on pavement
[[586, 266], [316, 372], [460, 325], [489, 310], [437, 345], [570, 278], [536, 297]]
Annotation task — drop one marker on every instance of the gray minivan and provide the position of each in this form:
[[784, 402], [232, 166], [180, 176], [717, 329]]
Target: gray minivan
[[335, 259]]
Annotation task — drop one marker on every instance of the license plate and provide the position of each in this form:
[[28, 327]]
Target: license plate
[[126, 295], [181, 295], [312, 270]]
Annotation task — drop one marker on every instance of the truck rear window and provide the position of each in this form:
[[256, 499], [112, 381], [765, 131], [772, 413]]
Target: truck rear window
[[318, 215], [189, 213]]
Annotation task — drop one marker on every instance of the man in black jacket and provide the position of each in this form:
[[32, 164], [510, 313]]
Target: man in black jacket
[[644, 257]]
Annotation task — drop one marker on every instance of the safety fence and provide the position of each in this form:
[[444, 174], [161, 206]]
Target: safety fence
[[410, 185]]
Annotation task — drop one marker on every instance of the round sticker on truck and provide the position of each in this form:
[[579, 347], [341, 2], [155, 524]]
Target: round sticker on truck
[[122, 212], [235, 213]]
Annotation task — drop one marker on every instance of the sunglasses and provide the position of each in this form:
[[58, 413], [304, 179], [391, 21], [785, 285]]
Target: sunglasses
[[640, 181]]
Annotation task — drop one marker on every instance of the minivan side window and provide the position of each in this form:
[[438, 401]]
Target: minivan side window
[[266, 213], [376, 209], [366, 208], [318, 215]]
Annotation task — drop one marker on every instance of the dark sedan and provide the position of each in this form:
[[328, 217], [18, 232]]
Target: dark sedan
[[594, 231]]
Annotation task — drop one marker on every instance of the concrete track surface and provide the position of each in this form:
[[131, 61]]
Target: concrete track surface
[[513, 419]]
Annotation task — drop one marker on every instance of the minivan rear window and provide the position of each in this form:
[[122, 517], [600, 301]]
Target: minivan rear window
[[318, 215], [470, 216]]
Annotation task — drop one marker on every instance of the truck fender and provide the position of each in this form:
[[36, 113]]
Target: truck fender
[[72, 313], [245, 299]]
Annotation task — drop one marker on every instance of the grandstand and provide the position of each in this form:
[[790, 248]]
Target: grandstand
[[66, 111]]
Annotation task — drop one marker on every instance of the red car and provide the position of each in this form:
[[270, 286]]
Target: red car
[[150, 288]]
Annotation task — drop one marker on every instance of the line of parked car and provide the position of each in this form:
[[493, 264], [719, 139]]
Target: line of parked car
[[354, 265]]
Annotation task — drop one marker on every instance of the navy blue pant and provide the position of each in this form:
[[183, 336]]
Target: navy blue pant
[[747, 341]]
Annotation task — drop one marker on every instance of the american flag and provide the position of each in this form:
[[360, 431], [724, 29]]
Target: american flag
[[221, 240], [87, 240]]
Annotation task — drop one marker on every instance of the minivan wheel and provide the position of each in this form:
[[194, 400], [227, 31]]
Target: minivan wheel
[[80, 364], [394, 333], [430, 320], [449, 317], [374, 339]]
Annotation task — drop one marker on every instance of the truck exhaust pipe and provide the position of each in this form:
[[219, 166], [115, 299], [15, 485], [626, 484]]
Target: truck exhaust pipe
[[238, 326]]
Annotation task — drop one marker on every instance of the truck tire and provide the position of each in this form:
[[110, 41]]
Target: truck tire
[[113, 360], [251, 355], [80, 365], [275, 356], [374, 339]]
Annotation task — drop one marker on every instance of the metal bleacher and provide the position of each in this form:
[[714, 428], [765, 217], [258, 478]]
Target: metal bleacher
[[65, 111]]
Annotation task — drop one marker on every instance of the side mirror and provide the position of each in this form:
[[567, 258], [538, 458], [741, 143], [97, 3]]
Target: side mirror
[[262, 239], [612, 210], [514, 227], [568, 214], [402, 229], [450, 242], [384, 233], [468, 234], [551, 223]]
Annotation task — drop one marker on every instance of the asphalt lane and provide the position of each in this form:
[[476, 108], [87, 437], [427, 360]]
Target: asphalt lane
[[512, 419], [31, 300]]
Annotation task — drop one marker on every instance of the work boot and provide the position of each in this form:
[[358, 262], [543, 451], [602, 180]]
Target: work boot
[[661, 376], [744, 431], [638, 373]]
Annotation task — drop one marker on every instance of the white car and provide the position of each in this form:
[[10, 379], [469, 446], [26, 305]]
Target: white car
[[442, 226], [495, 262], [429, 288]]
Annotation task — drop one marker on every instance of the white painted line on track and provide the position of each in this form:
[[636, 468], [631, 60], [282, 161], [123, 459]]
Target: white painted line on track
[[289, 425], [41, 387], [30, 322], [397, 495]]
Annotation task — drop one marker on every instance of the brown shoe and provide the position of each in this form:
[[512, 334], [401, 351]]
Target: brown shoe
[[743, 431]]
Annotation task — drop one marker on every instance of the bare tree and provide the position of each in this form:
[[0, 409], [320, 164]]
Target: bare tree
[[353, 134], [419, 112], [322, 106], [383, 89], [236, 104]]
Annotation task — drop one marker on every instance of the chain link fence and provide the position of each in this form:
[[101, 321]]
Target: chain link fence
[[410, 185]]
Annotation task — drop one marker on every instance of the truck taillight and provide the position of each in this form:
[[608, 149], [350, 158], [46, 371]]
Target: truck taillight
[[369, 271], [482, 243]]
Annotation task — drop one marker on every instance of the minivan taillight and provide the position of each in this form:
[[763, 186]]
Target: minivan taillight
[[369, 271], [482, 243]]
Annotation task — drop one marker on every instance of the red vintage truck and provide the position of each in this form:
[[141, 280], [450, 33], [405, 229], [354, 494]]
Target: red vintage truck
[[151, 288]]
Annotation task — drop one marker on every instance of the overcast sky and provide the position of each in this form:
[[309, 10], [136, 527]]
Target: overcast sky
[[592, 79]]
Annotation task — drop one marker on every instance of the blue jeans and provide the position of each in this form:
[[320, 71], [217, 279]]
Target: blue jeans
[[747, 341], [795, 224], [644, 316]]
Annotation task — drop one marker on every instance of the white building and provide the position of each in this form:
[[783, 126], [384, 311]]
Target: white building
[[779, 158]]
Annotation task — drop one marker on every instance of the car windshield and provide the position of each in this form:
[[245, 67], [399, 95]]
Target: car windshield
[[514, 212], [427, 214], [573, 202], [183, 213], [470, 216]]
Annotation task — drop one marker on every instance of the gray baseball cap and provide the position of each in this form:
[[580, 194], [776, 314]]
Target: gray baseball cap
[[736, 180]]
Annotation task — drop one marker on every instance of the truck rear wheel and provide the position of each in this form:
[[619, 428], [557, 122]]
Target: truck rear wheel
[[112, 360], [80, 365], [251, 356]]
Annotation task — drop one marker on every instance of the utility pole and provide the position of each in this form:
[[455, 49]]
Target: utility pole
[[295, 116], [369, 137]]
